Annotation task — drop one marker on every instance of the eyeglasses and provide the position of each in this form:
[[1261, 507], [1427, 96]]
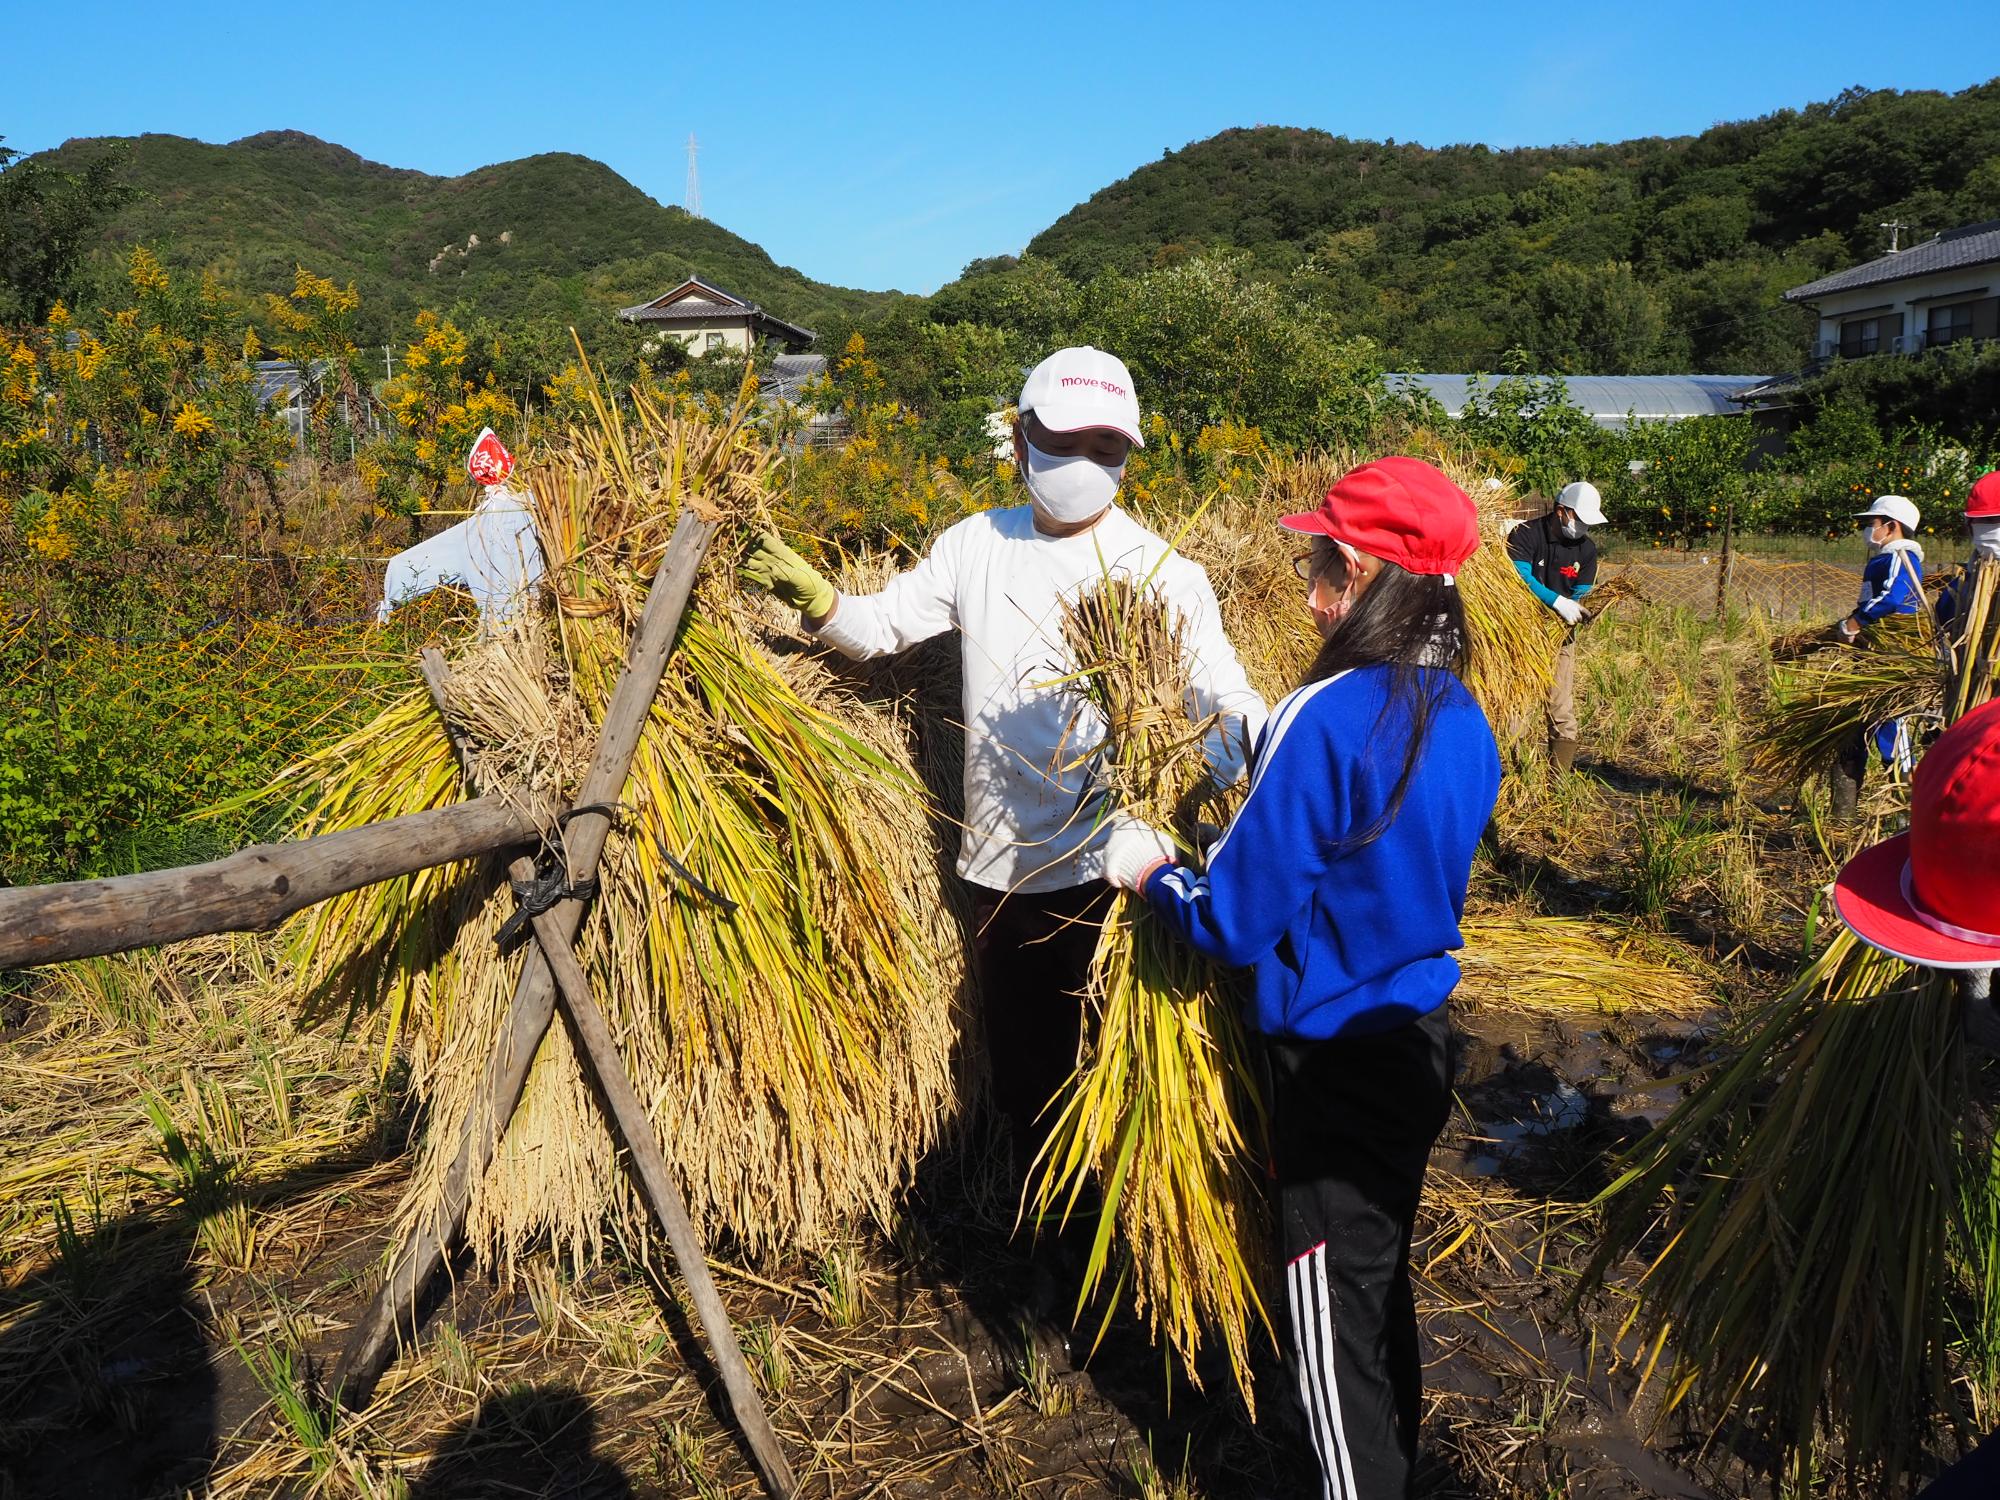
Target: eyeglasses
[[1303, 566]]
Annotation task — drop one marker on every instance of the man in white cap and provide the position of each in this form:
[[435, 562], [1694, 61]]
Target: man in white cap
[[1032, 841], [1557, 559], [1892, 583]]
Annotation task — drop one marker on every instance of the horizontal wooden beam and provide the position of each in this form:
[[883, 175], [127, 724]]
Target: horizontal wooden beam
[[252, 889]]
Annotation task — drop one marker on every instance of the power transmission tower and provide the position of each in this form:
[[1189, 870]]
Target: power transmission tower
[[693, 200]]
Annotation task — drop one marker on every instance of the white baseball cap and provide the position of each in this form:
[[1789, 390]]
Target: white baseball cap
[[1074, 389], [1896, 508], [1581, 496]]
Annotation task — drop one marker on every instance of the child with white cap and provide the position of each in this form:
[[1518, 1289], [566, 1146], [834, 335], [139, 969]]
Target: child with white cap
[[1892, 583], [1030, 846]]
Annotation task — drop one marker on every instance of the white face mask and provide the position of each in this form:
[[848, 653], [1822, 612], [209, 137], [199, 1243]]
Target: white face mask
[[1986, 535], [1068, 490]]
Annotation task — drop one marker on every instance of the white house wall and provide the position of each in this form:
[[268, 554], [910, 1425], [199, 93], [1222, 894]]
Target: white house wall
[[1913, 298]]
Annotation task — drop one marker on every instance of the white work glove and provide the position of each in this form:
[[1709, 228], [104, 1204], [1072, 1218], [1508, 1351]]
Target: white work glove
[[1569, 609], [1133, 850]]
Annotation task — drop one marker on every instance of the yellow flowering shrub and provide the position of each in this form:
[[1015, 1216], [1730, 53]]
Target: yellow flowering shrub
[[437, 412]]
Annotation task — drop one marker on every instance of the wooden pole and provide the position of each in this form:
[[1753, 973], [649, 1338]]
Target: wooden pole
[[418, 1259], [597, 1047], [252, 889]]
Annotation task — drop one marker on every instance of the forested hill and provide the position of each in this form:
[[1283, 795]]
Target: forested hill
[[556, 235], [1650, 254]]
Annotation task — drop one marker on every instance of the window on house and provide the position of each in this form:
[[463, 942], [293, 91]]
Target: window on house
[[1948, 323], [1861, 336], [715, 341]]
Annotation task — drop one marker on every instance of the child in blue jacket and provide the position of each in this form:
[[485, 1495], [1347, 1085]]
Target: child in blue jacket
[[1340, 884], [1892, 583]]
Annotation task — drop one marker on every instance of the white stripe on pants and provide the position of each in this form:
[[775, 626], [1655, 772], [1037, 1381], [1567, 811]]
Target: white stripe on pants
[[1319, 1390]]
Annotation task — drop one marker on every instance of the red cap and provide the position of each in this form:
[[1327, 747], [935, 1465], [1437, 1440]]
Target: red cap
[[1984, 499], [1401, 510], [1932, 895]]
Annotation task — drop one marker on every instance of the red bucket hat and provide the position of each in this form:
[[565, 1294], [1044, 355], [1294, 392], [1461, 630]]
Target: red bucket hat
[[1401, 510], [1931, 896], [1984, 500]]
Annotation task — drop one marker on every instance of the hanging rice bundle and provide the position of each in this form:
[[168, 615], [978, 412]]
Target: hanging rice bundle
[[1830, 1267], [770, 941], [1514, 636], [1577, 964], [1810, 1194], [1161, 1113]]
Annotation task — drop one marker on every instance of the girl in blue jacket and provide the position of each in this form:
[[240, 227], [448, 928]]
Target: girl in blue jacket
[[1340, 884]]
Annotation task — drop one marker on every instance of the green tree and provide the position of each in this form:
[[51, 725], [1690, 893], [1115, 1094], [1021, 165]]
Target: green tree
[[1530, 421], [49, 221]]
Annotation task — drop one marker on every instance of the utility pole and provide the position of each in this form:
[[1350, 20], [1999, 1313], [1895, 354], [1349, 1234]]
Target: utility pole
[[388, 364], [1895, 228], [692, 201]]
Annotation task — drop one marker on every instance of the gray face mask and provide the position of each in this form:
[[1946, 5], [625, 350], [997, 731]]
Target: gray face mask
[[1986, 536], [1573, 529]]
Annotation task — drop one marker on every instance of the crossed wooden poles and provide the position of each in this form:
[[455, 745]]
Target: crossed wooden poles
[[259, 886]]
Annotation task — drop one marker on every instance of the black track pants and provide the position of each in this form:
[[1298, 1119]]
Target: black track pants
[[1033, 953], [1352, 1127]]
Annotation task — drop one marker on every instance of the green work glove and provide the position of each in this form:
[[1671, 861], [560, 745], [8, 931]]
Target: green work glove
[[774, 567]]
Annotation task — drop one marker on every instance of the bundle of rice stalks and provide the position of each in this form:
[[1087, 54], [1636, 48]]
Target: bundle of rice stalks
[[1161, 1113], [770, 942], [1248, 559], [1809, 1192], [1576, 964], [1822, 700], [1831, 1267]]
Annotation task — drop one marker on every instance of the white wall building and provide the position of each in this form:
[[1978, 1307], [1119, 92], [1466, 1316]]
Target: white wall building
[[706, 318], [1934, 293]]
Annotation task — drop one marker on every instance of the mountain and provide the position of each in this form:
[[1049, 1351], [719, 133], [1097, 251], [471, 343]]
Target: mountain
[[1658, 253], [555, 235]]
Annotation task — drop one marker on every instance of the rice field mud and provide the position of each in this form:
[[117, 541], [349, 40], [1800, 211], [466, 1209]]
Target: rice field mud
[[195, 1188]]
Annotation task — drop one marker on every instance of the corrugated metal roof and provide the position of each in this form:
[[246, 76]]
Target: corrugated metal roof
[[1973, 245], [1610, 400]]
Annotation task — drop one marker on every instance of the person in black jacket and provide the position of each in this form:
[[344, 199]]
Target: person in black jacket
[[1558, 561]]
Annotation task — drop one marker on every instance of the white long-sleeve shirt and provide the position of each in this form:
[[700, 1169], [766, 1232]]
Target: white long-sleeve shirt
[[1000, 583]]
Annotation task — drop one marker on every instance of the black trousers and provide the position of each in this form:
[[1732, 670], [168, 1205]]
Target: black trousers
[[1033, 953], [1352, 1123]]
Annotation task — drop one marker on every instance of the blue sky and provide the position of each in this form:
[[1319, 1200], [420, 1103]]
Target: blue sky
[[885, 146]]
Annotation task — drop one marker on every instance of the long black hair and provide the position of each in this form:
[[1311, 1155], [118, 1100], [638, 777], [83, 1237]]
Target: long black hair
[[1413, 624]]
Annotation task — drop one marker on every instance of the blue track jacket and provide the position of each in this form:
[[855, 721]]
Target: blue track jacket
[[1354, 942], [1892, 582]]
